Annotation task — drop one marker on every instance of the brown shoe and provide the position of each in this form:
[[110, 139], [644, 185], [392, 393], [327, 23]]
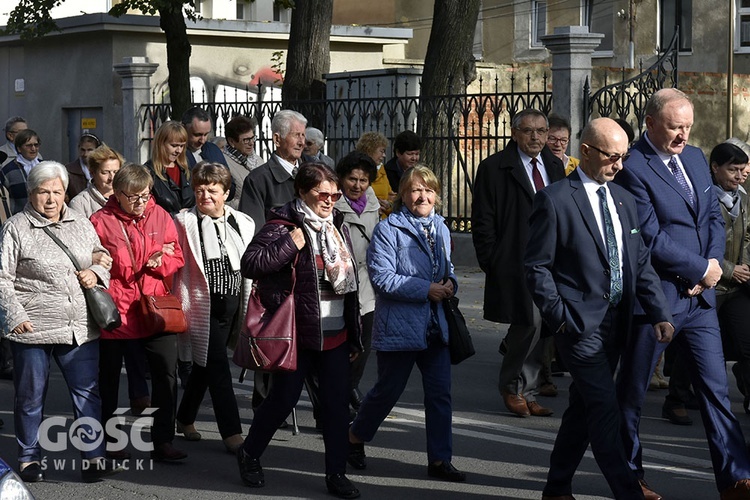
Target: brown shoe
[[516, 403], [538, 410], [563, 497], [648, 493], [740, 490], [548, 390]]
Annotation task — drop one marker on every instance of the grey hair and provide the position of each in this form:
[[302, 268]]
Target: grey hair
[[315, 135], [12, 121], [745, 147], [662, 97], [516, 122], [282, 121], [46, 171]]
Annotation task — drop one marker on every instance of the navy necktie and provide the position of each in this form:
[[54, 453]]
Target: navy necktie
[[615, 279], [680, 178]]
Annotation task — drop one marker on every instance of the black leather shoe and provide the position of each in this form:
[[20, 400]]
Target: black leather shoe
[[165, 452], [357, 457], [32, 473], [100, 469], [355, 398], [446, 471], [676, 415], [339, 485], [250, 470]]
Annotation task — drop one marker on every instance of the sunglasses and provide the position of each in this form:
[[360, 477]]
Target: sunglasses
[[612, 157], [323, 196]]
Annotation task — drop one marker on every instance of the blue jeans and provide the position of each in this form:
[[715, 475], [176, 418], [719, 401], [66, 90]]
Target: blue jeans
[[394, 368], [79, 365]]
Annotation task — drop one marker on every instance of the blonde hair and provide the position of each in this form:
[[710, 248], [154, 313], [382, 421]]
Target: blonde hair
[[100, 155], [171, 131], [422, 173]]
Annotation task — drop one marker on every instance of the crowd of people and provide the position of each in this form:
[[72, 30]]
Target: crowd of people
[[597, 263]]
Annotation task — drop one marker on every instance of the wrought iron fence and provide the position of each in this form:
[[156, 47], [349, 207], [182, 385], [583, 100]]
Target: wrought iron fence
[[627, 99], [470, 125]]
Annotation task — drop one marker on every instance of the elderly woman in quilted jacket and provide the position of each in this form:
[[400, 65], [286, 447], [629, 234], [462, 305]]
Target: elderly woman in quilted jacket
[[409, 261], [308, 233]]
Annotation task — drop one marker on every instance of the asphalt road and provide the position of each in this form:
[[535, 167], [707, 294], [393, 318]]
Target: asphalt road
[[504, 456]]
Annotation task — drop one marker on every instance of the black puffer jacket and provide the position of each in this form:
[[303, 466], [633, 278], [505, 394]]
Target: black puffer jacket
[[268, 260], [169, 195]]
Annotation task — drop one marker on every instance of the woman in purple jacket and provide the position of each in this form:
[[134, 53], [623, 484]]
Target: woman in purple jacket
[[307, 233]]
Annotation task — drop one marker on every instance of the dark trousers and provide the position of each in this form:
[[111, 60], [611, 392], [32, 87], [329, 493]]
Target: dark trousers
[[161, 354], [136, 366], [593, 415], [358, 365], [394, 368], [332, 367], [699, 340], [215, 376], [78, 364]]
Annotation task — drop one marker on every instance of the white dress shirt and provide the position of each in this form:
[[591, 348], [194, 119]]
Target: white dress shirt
[[526, 160]]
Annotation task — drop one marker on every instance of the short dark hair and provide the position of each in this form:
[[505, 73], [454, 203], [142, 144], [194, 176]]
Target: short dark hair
[[195, 112], [518, 117], [89, 137], [727, 153], [311, 174], [132, 178], [407, 141], [357, 160], [12, 121], [239, 125], [627, 128], [557, 121], [206, 172], [24, 136]]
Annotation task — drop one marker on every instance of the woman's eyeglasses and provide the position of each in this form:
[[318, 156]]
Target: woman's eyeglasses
[[136, 197], [247, 141], [323, 196]]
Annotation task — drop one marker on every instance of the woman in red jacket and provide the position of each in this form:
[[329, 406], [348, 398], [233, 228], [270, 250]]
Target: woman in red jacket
[[142, 239]]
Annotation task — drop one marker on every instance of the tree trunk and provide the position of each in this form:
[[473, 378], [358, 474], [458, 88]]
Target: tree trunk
[[448, 68], [172, 23], [309, 57]]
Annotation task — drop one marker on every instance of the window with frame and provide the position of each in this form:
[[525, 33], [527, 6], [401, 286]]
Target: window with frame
[[676, 13], [598, 15], [538, 22], [742, 32]]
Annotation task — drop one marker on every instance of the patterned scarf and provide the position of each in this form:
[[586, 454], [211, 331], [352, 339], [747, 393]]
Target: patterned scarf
[[213, 229], [730, 199], [339, 268], [426, 227], [237, 156]]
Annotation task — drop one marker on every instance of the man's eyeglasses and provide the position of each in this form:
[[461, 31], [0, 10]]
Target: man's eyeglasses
[[247, 141], [132, 199], [557, 140], [323, 196], [530, 131], [612, 157], [32, 145]]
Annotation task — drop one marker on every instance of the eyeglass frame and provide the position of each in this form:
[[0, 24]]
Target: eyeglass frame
[[324, 195], [612, 157], [132, 198], [247, 141], [528, 131], [555, 140]]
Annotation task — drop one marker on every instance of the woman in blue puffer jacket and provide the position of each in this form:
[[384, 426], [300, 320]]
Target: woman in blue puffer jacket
[[411, 271]]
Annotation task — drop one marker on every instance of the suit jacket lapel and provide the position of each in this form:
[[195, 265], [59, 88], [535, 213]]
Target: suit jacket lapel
[[689, 172], [519, 173], [584, 206], [663, 171]]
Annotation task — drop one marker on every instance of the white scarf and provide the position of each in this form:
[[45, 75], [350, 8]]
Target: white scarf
[[229, 236], [27, 165], [339, 269]]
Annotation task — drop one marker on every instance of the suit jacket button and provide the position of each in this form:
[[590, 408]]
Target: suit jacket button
[[605, 296], [606, 272]]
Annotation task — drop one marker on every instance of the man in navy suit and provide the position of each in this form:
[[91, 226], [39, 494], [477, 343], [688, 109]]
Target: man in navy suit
[[586, 265], [682, 225]]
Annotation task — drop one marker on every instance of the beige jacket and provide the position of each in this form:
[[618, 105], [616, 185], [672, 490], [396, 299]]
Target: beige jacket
[[191, 286], [88, 201], [38, 281], [360, 231]]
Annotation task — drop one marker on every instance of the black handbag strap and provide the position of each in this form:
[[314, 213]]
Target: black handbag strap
[[64, 248]]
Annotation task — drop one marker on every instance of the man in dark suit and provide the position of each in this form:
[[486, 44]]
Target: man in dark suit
[[504, 189], [682, 224], [586, 265], [272, 184]]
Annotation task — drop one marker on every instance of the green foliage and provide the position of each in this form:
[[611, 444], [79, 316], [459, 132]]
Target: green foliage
[[278, 63]]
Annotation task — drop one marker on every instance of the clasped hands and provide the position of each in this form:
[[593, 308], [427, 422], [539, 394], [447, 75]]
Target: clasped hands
[[440, 291]]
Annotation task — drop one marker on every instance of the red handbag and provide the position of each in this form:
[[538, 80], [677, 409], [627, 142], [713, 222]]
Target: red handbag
[[268, 343]]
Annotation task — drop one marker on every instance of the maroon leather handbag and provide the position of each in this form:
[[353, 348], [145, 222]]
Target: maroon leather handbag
[[269, 342]]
